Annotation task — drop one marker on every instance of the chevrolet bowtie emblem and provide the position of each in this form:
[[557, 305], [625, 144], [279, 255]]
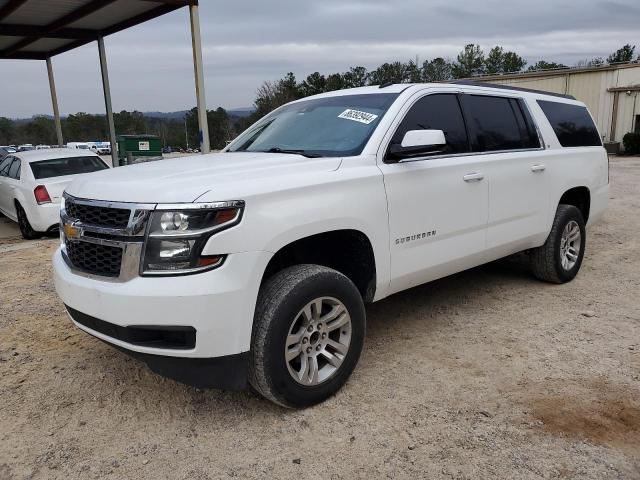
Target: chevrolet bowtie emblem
[[71, 232]]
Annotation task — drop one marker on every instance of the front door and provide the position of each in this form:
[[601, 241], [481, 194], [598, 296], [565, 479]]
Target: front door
[[438, 203]]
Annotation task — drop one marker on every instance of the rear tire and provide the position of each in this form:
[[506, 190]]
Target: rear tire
[[308, 333], [28, 233], [560, 258]]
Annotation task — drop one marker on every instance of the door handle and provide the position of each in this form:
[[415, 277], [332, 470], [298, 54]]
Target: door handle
[[538, 168], [473, 177]]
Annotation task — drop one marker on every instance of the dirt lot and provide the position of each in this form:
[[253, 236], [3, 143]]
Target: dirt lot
[[487, 374]]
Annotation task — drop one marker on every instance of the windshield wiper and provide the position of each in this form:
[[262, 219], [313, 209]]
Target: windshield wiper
[[304, 153]]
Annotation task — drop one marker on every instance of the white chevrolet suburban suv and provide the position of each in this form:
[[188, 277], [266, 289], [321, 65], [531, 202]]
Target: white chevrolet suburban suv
[[254, 265]]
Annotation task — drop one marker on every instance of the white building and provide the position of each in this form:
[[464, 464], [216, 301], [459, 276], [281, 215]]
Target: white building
[[610, 92]]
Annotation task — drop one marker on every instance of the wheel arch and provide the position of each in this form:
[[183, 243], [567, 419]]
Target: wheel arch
[[579, 197], [347, 250], [17, 202]]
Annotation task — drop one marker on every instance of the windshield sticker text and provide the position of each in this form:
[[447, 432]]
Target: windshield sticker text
[[358, 116]]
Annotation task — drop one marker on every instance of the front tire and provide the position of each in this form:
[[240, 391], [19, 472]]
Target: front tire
[[28, 233], [308, 334], [560, 258]]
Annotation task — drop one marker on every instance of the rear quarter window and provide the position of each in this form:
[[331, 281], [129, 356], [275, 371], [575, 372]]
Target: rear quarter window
[[14, 169], [572, 124]]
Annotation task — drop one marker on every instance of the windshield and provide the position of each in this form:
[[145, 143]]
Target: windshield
[[337, 126], [59, 167]]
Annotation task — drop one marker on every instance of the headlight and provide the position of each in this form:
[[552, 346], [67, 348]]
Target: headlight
[[177, 236]]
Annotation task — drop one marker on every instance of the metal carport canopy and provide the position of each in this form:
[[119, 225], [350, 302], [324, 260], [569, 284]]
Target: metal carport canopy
[[41, 29]]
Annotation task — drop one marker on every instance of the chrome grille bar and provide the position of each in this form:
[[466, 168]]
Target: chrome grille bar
[[129, 239]]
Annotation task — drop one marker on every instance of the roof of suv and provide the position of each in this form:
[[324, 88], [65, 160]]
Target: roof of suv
[[398, 88], [52, 153]]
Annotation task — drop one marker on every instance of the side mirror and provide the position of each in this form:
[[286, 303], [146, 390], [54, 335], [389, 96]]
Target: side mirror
[[416, 142]]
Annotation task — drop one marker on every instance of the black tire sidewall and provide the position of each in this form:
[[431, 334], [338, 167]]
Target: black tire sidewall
[[324, 284], [565, 216], [23, 222]]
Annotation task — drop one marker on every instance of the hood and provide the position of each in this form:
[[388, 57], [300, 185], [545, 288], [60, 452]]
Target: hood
[[185, 179]]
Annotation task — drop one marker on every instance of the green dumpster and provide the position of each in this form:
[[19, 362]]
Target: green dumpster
[[138, 148]]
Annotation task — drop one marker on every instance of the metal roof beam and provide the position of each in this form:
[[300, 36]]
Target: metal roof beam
[[138, 19], [76, 15], [175, 3], [10, 7], [28, 56], [15, 30]]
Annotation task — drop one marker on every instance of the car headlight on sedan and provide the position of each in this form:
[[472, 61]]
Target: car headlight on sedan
[[177, 235]]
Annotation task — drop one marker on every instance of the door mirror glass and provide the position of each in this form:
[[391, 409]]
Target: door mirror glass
[[416, 142]]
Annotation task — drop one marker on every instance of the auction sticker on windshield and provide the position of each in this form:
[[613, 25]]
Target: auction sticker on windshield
[[358, 116]]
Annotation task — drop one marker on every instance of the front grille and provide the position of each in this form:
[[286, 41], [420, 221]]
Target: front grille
[[101, 216], [97, 259]]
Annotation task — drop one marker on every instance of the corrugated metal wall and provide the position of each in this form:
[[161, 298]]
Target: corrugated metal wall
[[591, 87]]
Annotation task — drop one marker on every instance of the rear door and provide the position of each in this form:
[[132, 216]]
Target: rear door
[[437, 203], [503, 132]]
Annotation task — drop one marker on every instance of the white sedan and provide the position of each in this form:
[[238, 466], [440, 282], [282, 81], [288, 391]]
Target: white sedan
[[32, 182]]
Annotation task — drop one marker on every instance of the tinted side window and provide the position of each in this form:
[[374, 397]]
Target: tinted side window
[[4, 166], [14, 169], [530, 138], [571, 123], [497, 123], [436, 112]]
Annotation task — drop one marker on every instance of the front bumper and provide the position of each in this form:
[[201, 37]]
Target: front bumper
[[219, 304], [226, 373]]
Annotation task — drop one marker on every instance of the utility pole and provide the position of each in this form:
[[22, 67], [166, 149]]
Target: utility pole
[[198, 70], [186, 134], [107, 102], [54, 101]]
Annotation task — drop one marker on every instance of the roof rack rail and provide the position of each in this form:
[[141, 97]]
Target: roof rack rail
[[386, 84], [509, 87]]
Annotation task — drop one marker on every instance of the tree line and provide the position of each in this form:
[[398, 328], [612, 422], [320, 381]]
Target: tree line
[[471, 61], [81, 127]]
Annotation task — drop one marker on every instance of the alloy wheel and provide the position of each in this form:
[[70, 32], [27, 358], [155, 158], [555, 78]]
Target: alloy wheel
[[318, 341], [570, 244]]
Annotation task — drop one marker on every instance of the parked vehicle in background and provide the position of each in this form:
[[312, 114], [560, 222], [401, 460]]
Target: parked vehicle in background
[[4, 151], [31, 185], [78, 145], [101, 148], [26, 148], [254, 264], [43, 147]]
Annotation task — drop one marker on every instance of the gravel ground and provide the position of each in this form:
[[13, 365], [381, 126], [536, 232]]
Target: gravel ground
[[486, 374]]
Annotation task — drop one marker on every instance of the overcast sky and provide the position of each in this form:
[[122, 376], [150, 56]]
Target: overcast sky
[[247, 42]]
